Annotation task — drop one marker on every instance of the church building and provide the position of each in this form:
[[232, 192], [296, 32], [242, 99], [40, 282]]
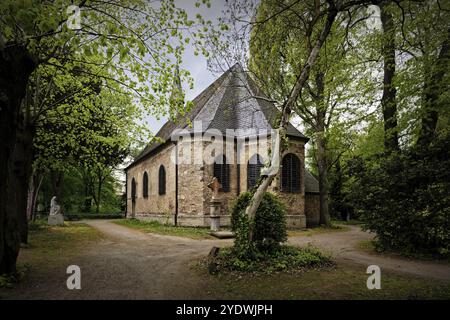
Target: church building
[[227, 134]]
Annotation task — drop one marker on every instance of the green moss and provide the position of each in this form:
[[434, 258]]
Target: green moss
[[159, 228]]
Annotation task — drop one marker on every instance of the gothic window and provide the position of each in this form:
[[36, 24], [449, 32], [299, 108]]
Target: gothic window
[[145, 185], [290, 173], [254, 170], [133, 189], [162, 180], [222, 172]]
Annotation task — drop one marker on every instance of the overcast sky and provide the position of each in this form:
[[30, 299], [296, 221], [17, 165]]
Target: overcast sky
[[196, 65]]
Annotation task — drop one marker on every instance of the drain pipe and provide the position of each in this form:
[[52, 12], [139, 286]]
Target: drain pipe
[[176, 184]]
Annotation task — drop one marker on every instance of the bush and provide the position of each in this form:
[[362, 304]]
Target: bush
[[269, 227], [405, 199], [287, 258]]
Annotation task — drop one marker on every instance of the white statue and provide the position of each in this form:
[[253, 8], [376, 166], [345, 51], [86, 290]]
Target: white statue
[[54, 207], [55, 218]]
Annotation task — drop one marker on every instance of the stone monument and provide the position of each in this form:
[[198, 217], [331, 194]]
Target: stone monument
[[55, 218], [215, 204]]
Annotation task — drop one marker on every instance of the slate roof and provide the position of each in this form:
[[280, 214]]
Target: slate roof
[[233, 101], [311, 183]]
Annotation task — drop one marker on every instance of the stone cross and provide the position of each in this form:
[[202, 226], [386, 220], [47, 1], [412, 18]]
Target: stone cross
[[215, 185]]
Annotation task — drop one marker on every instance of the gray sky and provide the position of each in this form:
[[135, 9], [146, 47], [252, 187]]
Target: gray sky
[[196, 65]]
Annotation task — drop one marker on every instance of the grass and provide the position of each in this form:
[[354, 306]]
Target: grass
[[51, 244], [370, 246], [164, 229], [341, 282], [203, 233], [348, 223], [49, 247], [316, 230]]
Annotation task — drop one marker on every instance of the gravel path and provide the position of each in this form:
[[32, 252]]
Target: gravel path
[[139, 265], [130, 264], [344, 247]]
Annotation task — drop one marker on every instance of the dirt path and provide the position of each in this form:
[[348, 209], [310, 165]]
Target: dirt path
[[344, 247], [130, 264]]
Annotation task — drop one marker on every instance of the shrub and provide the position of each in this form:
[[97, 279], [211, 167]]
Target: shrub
[[269, 226], [287, 258], [405, 199]]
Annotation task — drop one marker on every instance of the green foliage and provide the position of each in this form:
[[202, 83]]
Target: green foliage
[[76, 194], [405, 198], [286, 258], [10, 280], [269, 226]]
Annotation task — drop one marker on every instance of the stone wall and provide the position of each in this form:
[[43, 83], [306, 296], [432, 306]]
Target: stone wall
[[162, 205], [193, 193]]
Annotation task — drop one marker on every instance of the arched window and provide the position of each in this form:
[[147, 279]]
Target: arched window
[[222, 172], [162, 180], [254, 170], [145, 185], [290, 173], [133, 189]]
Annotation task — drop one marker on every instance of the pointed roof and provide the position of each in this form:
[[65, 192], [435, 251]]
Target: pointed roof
[[311, 183], [233, 101]]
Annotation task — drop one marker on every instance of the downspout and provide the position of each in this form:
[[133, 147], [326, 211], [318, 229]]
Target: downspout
[[238, 169], [238, 174], [126, 193], [176, 184]]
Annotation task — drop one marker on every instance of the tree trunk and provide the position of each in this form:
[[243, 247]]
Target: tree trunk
[[33, 193], [389, 99], [286, 112], [22, 169], [99, 192], [15, 68], [322, 166], [87, 197], [322, 161], [56, 177], [434, 87]]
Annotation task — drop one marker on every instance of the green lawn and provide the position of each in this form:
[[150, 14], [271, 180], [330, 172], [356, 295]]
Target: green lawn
[[316, 230], [341, 282], [203, 233], [349, 223], [159, 228], [50, 247], [53, 244]]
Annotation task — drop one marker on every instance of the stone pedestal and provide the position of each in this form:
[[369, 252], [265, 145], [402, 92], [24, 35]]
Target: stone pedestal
[[214, 214], [56, 220]]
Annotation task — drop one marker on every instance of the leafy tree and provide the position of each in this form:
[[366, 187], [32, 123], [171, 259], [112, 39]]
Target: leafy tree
[[133, 44], [316, 20], [332, 92]]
